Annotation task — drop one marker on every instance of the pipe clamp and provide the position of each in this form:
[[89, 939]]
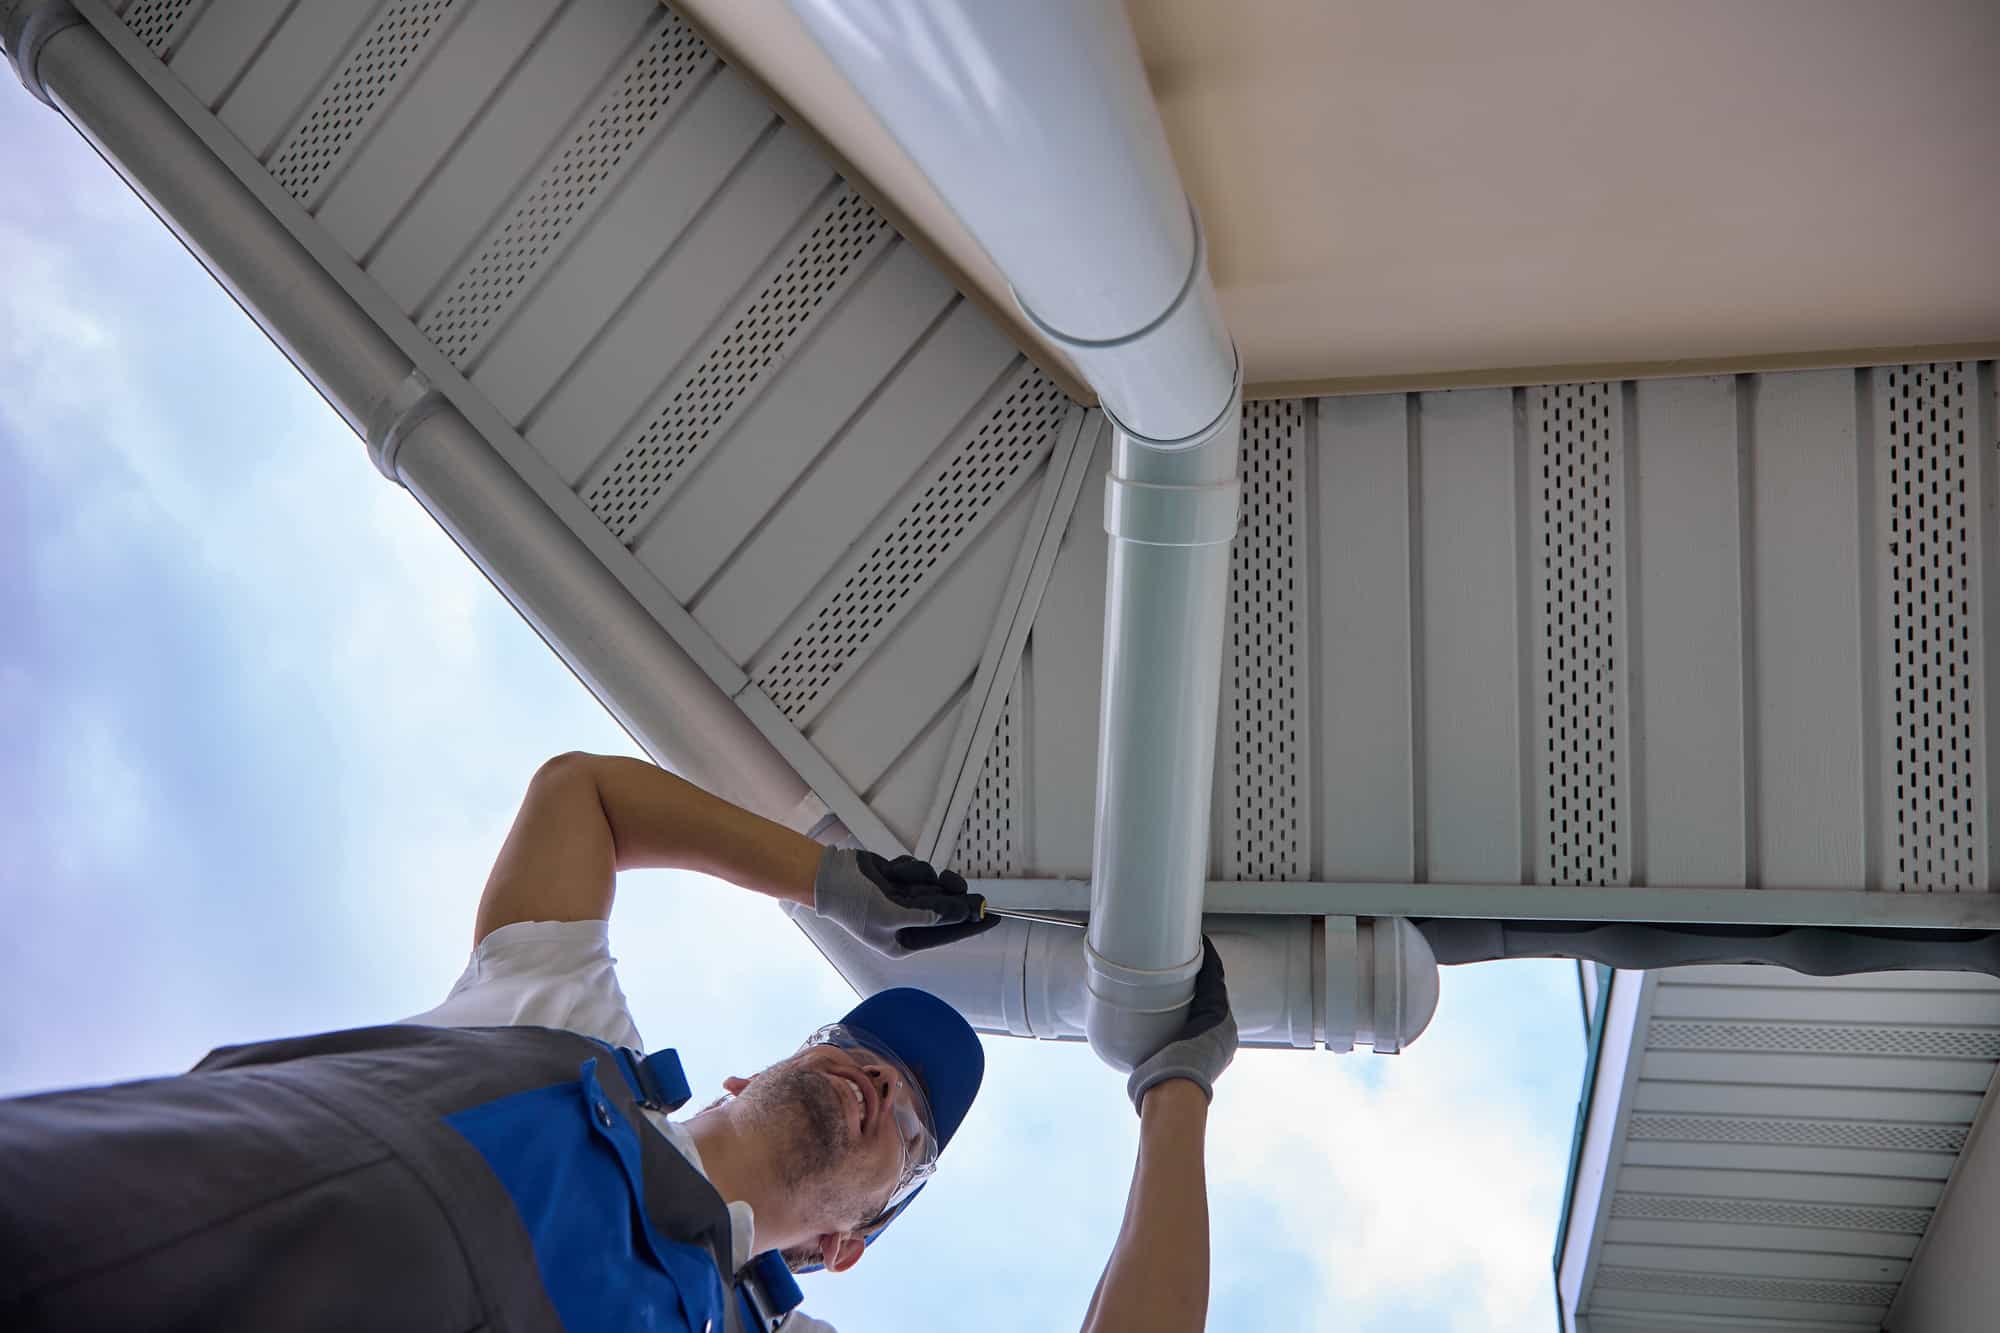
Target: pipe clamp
[[396, 415]]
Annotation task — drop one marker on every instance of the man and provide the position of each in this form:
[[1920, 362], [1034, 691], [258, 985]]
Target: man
[[506, 1160]]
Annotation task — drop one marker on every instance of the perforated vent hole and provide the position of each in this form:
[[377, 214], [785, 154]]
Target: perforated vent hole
[[1017, 434], [1265, 619], [671, 57], [1824, 1039], [1770, 1212], [759, 340], [362, 82], [1576, 494], [1891, 1135], [989, 843], [154, 21], [1932, 688], [1747, 1288]]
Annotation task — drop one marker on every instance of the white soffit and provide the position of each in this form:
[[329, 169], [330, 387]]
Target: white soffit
[[777, 422], [1782, 1143], [1715, 631], [1449, 193]]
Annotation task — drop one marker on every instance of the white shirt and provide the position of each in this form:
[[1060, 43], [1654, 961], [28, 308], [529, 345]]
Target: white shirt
[[560, 974]]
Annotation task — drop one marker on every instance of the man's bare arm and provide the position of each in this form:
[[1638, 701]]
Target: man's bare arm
[[588, 816], [1157, 1278]]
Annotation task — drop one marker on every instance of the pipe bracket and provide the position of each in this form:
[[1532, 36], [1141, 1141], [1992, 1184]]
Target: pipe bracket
[[394, 417]]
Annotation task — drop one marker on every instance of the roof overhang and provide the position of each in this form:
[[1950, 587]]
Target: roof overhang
[[1418, 196]]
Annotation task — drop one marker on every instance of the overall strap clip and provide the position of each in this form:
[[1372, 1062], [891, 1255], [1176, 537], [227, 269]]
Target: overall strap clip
[[657, 1080], [769, 1289]]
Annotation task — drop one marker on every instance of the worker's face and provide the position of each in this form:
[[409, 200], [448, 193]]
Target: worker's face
[[828, 1115]]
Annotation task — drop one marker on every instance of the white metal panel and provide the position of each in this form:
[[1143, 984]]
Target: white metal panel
[[1818, 1070], [967, 487], [218, 43], [1806, 517], [1817, 1240], [1758, 1100], [1762, 1262], [1468, 593], [924, 663], [1801, 1186], [1579, 636], [1735, 1303], [709, 179], [1779, 978], [157, 23], [371, 81], [284, 81], [1263, 759], [436, 102], [1772, 1157], [1065, 663], [550, 211], [994, 836], [1933, 770], [805, 319], [715, 378], [873, 457], [1832, 1004], [536, 102], [1687, 634], [788, 427], [1363, 696], [904, 794]]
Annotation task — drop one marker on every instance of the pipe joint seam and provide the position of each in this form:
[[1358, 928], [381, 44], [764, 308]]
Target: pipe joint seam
[[1194, 439], [392, 420], [25, 28], [1144, 990], [1156, 515]]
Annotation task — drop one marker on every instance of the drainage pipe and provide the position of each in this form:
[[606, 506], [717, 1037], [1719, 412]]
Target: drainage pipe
[[1034, 122], [1297, 982]]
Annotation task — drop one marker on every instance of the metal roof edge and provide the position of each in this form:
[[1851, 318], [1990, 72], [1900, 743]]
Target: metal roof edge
[[1625, 1005], [1594, 1047]]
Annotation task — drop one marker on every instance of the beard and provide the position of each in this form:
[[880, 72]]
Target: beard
[[802, 1118]]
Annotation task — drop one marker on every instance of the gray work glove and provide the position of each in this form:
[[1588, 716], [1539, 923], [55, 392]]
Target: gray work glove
[[1206, 1042], [895, 907]]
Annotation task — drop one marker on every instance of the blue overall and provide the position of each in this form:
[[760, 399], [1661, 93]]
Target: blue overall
[[389, 1178]]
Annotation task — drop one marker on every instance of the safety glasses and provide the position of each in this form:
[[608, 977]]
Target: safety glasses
[[915, 1126]]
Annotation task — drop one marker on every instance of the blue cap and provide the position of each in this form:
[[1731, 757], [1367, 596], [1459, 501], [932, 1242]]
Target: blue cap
[[937, 1044]]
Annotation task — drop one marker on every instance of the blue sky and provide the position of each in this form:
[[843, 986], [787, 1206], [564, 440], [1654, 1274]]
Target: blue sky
[[263, 727]]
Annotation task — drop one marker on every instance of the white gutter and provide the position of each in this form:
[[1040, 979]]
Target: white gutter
[[1034, 121]]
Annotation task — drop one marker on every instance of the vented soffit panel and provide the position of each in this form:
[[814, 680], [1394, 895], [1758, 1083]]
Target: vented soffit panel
[[1411, 197], [1779, 1144]]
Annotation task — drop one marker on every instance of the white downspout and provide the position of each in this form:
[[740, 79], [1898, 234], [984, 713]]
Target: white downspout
[[1034, 121]]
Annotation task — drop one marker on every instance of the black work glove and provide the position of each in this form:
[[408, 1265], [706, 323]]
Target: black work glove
[[895, 907], [1206, 1043]]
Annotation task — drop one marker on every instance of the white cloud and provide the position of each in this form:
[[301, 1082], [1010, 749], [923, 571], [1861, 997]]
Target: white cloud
[[1434, 1169]]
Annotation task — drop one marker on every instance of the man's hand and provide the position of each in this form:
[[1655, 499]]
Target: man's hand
[[1206, 1042], [895, 907]]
